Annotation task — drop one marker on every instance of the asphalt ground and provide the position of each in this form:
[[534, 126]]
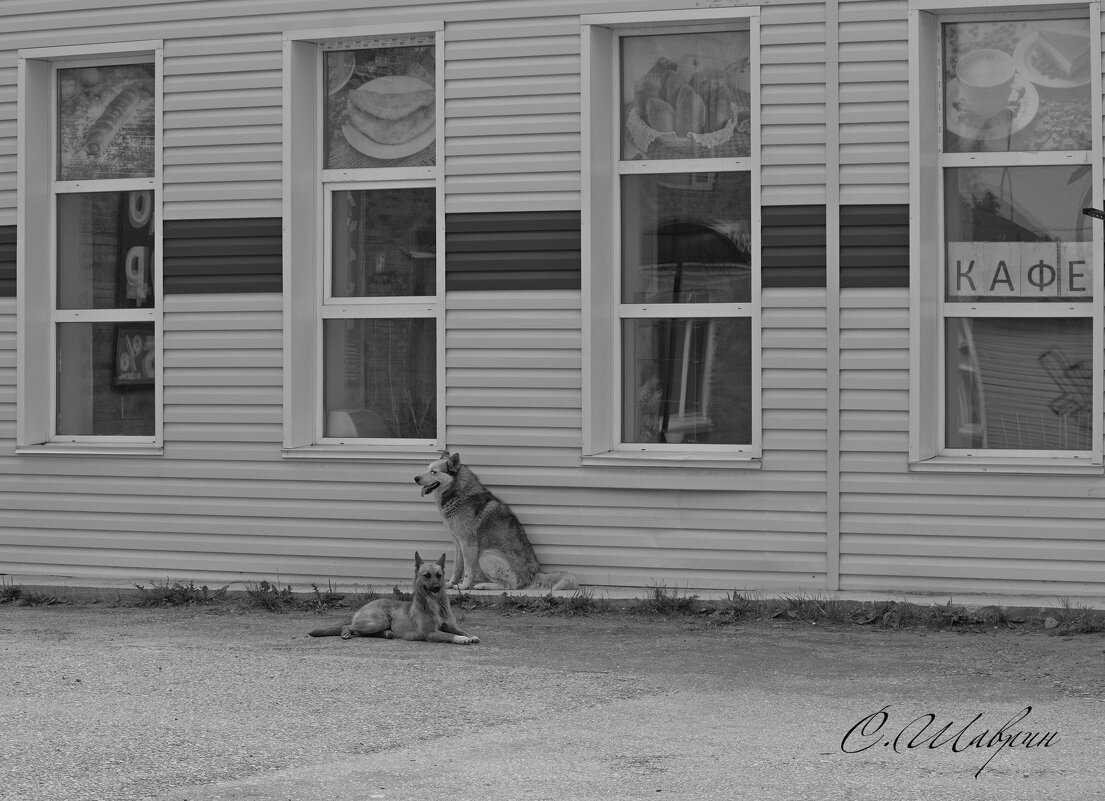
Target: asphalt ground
[[115, 704]]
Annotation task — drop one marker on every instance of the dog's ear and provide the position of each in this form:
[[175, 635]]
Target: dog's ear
[[417, 561], [441, 561], [453, 462]]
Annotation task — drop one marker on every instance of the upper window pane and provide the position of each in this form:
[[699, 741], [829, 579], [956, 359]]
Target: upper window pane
[[686, 238], [384, 243], [1017, 86], [105, 250], [380, 107], [685, 95], [1018, 234], [106, 122]]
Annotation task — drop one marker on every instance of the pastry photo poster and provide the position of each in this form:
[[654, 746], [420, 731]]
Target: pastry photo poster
[[685, 95], [106, 122], [381, 106]]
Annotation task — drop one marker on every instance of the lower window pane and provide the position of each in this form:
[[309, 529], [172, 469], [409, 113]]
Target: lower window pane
[[1019, 384], [105, 379], [380, 378], [687, 381]]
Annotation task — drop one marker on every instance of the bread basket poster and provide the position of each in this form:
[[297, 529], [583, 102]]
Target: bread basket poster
[[686, 95], [106, 122], [381, 107]]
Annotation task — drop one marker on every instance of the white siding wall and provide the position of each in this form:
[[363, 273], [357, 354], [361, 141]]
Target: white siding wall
[[513, 375], [222, 503], [874, 102], [955, 533], [792, 94]]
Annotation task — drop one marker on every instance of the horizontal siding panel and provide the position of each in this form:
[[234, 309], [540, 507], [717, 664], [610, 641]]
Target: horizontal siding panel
[[509, 378], [500, 144], [1010, 571], [984, 532]]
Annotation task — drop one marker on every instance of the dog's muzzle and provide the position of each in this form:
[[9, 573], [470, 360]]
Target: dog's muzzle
[[428, 488]]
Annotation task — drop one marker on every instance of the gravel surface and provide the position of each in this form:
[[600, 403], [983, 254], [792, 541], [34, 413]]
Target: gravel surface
[[197, 703]]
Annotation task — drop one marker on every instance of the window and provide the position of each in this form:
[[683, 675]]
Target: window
[[364, 258], [89, 261], [671, 233], [1007, 304]]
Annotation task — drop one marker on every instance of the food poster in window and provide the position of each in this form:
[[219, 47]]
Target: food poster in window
[[105, 122], [381, 105], [1018, 234], [686, 95], [134, 356], [1017, 86]]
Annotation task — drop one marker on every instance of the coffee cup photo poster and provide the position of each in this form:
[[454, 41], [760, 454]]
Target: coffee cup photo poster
[[1017, 85], [381, 106]]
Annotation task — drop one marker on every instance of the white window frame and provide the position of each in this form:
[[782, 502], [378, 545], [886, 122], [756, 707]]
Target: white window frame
[[36, 249], [308, 189], [928, 308], [603, 312]]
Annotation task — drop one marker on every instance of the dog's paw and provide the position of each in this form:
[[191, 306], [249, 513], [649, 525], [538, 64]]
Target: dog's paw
[[466, 640], [347, 633], [389, 635]]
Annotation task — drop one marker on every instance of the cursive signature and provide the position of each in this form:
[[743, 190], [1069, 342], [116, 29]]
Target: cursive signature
[[922, 732]]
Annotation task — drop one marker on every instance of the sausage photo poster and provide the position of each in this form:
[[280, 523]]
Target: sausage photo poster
[[381, 105], [106, 122]]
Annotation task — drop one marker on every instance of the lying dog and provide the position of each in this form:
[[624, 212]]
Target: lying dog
[[427, 616], [493, 551]]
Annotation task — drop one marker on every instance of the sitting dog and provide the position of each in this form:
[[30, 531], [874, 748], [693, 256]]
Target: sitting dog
[[427, 616], [493, 551]]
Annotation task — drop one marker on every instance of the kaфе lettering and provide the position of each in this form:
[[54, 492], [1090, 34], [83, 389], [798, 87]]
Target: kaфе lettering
[[1019, 270]]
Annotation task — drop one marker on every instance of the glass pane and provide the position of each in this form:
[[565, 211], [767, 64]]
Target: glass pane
[[106, 122], [1021, 384], [687, 381], [686, 238], [105, 250], [380, 106], [384, 243], [1018, 234], [380, 378], [1021, 85], [105, 379], [686, 96]]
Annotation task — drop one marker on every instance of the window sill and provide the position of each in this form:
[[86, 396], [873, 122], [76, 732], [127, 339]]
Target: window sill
[[684, 459], [361, 453], [1009, 465], [97, 449]]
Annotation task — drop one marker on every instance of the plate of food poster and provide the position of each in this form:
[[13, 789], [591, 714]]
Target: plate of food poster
[[1024, 103], [1055, 56], [391, 117]]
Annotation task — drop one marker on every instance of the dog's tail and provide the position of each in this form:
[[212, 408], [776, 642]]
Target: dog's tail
[[556, 581], [327, 631]]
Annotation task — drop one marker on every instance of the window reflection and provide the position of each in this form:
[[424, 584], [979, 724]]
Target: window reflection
[[1019, 384], [686, 238]]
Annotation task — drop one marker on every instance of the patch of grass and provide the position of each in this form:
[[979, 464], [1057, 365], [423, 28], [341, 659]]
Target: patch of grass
[[327, 599], [1077, 618], [660, 601], [37, 599], [270, 597], [9, 591], [812, 609], [176, 594]]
